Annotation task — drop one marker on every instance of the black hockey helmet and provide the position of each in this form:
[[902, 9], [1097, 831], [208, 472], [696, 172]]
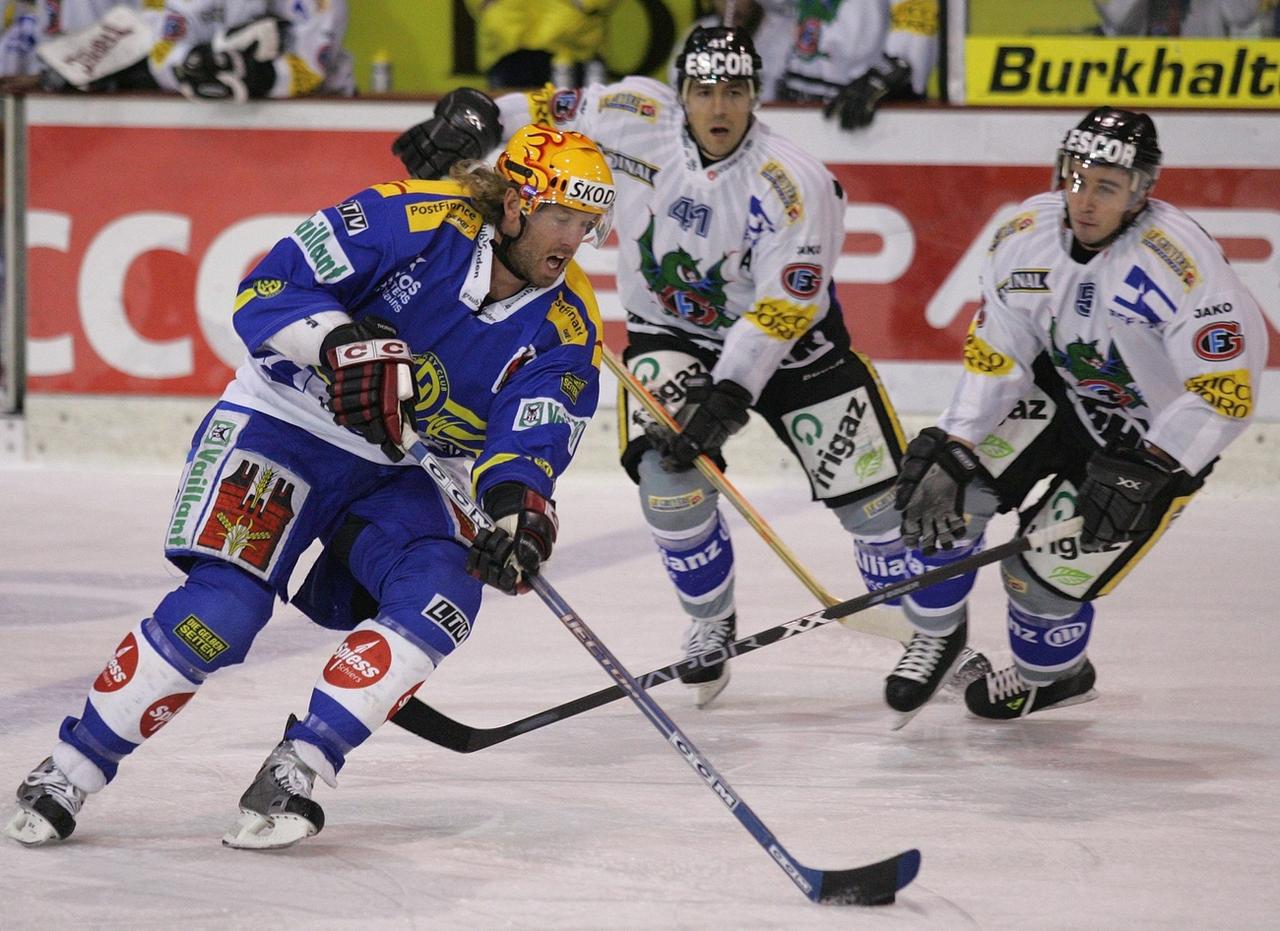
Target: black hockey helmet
[[1110, 136], [713, 54]]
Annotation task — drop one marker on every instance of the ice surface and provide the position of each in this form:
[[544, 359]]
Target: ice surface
[[1152, 807]]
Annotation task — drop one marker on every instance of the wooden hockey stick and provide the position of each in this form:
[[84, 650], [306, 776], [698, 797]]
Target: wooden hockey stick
[[881, 625], [873, 884]]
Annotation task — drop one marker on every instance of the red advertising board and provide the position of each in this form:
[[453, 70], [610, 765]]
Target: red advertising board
[[138, 234]]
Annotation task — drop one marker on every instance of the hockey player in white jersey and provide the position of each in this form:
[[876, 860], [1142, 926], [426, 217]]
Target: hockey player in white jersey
[[1117, 354], [727, 237]]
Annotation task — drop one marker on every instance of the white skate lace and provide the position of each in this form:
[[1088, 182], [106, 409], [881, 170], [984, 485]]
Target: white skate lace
[[705, 636], [1005, 684], [921, 658], [57, 785], [294, 776]]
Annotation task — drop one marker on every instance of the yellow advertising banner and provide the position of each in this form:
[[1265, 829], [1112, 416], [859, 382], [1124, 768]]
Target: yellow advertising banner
[[1075, 71]]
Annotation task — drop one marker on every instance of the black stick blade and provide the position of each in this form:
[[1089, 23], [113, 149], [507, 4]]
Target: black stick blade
[[876, 884]]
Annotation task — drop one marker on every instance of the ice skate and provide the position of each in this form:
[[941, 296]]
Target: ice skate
[[1004, 695], [710, 678], [927, 663], [47, 807], [276, 810]]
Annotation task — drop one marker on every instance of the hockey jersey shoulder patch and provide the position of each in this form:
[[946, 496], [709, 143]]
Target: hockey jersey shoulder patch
[[1173, 255], [637, 105], [786, 188], [1022, 222], [424, 216]]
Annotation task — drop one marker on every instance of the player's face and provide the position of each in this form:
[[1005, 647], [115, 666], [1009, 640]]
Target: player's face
[[718, 115], [1098, 199], [551, 237]]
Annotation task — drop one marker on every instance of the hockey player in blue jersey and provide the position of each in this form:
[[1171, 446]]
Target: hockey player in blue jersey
[[454, 306]]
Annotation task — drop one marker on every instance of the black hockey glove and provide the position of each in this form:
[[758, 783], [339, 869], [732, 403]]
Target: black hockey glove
[[466, 124], [713, 412], [237, 65], [855, 104], [516, 548], [362, 362], [930, 490], [1124, 496]]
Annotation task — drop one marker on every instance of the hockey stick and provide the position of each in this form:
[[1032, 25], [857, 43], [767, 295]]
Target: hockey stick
[[440, 729], [874, 884], [886, 625]]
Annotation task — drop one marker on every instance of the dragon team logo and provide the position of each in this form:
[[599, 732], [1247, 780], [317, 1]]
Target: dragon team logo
[[1106, 379], [683, 289]]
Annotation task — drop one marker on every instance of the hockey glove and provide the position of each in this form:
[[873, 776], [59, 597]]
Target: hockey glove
[[855, 104], [930, 491], [362, 362], [466, 124], [237, 65], [713, 412], [516, 548], [1124, 496]]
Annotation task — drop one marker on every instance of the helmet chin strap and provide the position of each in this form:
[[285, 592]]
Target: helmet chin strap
[[502, 247]]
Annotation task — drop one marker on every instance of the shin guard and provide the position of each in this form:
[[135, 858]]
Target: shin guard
[[145, 683], [939, 608], [368, 678], [881, 563], [700, 565], [1045, 647]]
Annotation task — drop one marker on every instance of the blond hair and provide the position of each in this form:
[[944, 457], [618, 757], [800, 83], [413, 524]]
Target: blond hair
[[486, 187]]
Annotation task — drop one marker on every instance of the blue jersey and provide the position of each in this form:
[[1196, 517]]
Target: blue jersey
[[510, 384]]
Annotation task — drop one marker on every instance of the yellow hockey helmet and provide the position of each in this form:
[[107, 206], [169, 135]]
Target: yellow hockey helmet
[[550, 166]]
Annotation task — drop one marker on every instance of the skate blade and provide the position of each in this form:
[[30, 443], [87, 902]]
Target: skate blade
[[1068, 702], [253, 831], [704, 693], [30, 828]]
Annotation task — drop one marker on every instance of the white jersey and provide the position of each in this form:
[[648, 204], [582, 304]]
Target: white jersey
[[913, 37], [311, 60], [736, 256], [1155, 336], [836, 41]]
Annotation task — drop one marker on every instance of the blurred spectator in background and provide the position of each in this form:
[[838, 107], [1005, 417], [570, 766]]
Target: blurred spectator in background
[[528, 43], [771, 25], [1241, 19], [210, 49], [913, 39], [851, 55]]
